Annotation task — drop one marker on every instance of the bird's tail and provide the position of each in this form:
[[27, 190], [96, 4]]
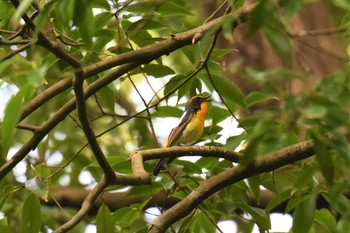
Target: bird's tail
[[158, 167]]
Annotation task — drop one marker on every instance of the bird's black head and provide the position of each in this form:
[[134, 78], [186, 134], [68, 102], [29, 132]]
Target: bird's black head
[[194, 104]]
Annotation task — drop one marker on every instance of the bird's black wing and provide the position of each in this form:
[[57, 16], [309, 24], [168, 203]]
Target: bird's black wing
[[174, 135]]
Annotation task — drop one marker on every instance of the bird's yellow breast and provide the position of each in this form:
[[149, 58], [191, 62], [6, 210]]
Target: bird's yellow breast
[[195, 127]]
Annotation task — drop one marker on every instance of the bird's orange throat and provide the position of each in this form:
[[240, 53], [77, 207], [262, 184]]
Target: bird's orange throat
[[202, 113]]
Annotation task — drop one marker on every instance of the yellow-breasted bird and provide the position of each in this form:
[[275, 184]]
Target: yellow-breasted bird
[[190, 128]]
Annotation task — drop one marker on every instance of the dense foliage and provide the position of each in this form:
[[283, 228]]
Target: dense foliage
[[137, 63]]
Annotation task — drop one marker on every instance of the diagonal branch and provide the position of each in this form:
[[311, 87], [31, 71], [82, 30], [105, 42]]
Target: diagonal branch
[[140, 56], [59, 116], [270, 162], [86, 206], [51, 44]]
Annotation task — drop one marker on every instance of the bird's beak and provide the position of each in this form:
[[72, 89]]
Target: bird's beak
[[208, 98]]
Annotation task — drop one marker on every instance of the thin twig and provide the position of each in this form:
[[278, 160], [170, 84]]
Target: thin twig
[[27, 127], [217, 10], [140, 56], [223, 101], [320, 32], [14, 42], [200, 206], [85, 207], [324, 51], [16, 51]]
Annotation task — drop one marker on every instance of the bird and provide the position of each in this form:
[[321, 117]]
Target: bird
[[190, 128]]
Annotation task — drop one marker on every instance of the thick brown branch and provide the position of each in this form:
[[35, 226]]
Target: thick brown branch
[[207, 188], [140, 56], [78, 82], [74, 197], [178, 151], [59, 116], [52, 46]]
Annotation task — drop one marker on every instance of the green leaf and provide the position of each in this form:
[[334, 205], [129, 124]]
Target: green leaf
[[102, 19], [324, 159], [173, 83], [103, 36], [217, 114], [185, 89], [195, 87], [21, 9], [6, 193], [206, 162], [64, 13], [141, 191], [168, 111], [303, 215], [305, 180], [188, 167], [104, 220], [202, 223], [146, 24], [315, 112], [259, 216], [126, 216], [46, 8], [123, 167], [108, 95], [31, 215], [260, 16], [290, 7], [39, 187], [254, 185], [11, 118], [279, 42], [326, 220], [229, 91], [293, 202], [281, 197], [6, 12], [255, 98], [342, 4], [4, 228], [237, 4], [104, 4], [157, 71], [234, 141], [222, 52], [169, 8], [84, 20]]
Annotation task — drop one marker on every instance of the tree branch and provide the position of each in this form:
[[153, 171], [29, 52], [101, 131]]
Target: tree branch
[[208, 187], [78, 82], [59, 116], [178, 151], [85, 208], [140, 56], [52, 46], [320, 32]]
